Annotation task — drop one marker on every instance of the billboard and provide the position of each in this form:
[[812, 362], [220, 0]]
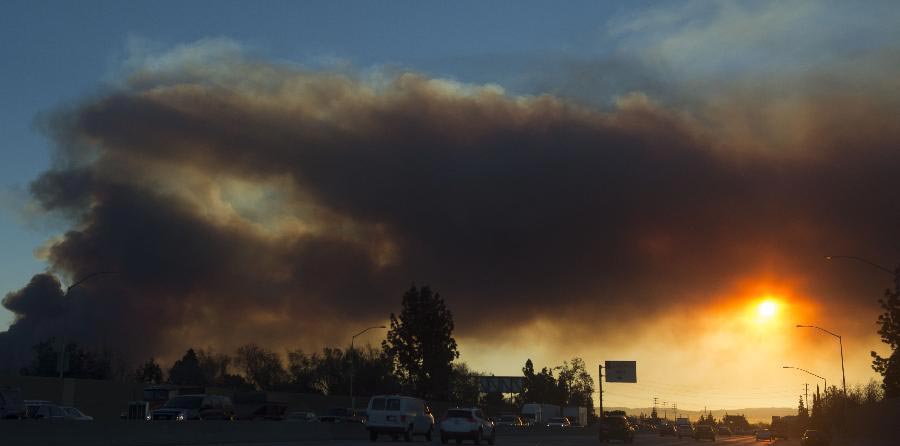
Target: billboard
[[501, 384], [621, 371]]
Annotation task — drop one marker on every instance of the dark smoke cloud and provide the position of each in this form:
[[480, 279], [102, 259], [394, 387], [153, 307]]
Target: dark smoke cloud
[[256, 202]]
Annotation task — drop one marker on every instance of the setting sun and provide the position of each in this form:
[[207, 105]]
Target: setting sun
[[767, 309]]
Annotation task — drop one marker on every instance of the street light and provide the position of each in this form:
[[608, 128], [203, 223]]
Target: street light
[[870, 263], [62, 348], [811, 373], [841, 343], [353, 364]]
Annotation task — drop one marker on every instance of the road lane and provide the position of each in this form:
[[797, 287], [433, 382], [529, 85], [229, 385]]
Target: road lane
[[562, 439]]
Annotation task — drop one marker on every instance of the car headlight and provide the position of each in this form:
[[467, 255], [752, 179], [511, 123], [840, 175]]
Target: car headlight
[[149, 417], [180, 417]]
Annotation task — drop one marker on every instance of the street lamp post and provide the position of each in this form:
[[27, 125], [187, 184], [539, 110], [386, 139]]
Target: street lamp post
[[62, 348], [353, 364], [811, 373], [841, 343]]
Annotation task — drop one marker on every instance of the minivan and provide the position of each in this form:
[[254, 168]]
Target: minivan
[[397, 415]]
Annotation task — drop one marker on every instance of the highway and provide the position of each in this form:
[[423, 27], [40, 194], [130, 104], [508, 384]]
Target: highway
[[562, 439]]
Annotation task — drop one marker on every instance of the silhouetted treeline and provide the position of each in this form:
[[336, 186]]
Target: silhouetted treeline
[[77, 362]]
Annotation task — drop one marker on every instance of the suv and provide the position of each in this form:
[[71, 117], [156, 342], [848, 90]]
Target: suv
[[11, 404], [469, 423], [616, 428], [395, 415], [195, 407], [704, 431]]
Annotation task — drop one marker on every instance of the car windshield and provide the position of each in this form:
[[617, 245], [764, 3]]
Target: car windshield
[[459, 413], [378, 404], [557, 420], [393, 404], [507, 418], [73, 411], [184, 402], [338, 412]]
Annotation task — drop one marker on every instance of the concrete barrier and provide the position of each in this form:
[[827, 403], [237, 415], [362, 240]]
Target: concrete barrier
[[140, 433]]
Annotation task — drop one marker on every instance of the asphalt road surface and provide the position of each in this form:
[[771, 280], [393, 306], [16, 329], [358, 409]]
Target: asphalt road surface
[[547, 440]]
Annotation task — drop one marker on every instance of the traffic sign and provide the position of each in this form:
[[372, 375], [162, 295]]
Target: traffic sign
[[621, 371]]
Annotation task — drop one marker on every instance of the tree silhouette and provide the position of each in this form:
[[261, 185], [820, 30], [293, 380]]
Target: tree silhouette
[[149, 373], [420, 343], [261, 367], [186, 371], [889, 367]]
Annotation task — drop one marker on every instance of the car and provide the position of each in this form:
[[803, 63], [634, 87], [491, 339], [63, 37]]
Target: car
[[44, 410], [724, 430], [397, 415], [704, 431], [667, 429], [559, 423], [467, 424], [616, 428], [75, 414], [301, 416], [11, 404], [764, 434], [814, 438], [339, 415], [194, 407], [685, 430], [513, 421]]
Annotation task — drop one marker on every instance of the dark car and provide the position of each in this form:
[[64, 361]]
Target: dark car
[[724, 430], [814, 438], [616, 428], [194, 407], [704, 431], [343, 415], [685, 430], [667, 429]]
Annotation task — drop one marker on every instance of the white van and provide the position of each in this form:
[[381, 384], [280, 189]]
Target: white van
[[396, 415]]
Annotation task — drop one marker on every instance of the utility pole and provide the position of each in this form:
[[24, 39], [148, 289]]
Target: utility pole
[[666, 410], [806, 392], [600, 385]]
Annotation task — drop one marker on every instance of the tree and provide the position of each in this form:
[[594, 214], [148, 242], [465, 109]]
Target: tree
[[149, 373], [420, 343], [186, 371], [889, 367], [261, 367], [214, 366], [302, 372], [45, 360], [463, 389], [577, 385]]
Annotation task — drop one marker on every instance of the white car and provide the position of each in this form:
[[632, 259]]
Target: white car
[[75, 414], [763, 434], [397, 415], [467, 424]]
